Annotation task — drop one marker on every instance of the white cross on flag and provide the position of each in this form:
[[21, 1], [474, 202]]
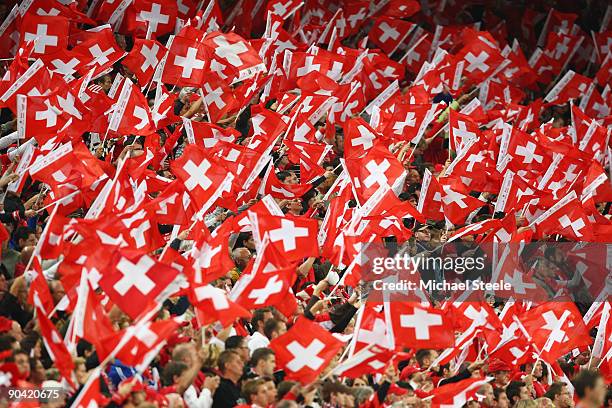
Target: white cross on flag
[[526, 152], [132, 114], [371, 327], [305, 350], [359, 137], [556, 328], [42, 116], [157, 17], [377, 168], [457, 394], [48, 33], [204, 176], [143, 338], [568, 218], [212, 305], [369, 361], [186, 63], [218, 97], [240, 59], [143, 59], [405, 120], [135, 280], [388, 33], [101, 50], [262, 286], [481, 56], [417, 326], [296, 238], [462, 130]]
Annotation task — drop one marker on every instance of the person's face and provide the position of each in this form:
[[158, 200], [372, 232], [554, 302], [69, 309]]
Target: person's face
[[564, 398], [250, 243], [524, 393], [235, 366], [261, 397], [244, 255], [295, 206], [57, 292], [291, 179], [22, 363], [359, 382], [489, 397], [413, 177], [39, 372], [269, 364], [106, 83], [597, 394], [243, 351], [81, 373], [30, 241], [188, 357], [537, 372], [139, 397], [501, 377], [282, 329], [423, 235], [503, 401], [267, 316], [271, 391]]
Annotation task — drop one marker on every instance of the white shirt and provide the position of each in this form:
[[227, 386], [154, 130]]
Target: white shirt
[[192, 400], [256, 341]]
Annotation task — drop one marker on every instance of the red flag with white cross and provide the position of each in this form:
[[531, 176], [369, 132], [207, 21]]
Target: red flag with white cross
[[135, 281], [305, 350], [419, 326]]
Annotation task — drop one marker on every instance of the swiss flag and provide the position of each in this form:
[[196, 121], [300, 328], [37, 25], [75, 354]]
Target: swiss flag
[[132, 114], [262, 287], [359, 137], [48, 33], [405, 121], [457, 204], [157, 17], [55, 345], [212, 255], [458, 393], [218, 97], [555, 329], [371, 361], [371, 327], [135, 281], [204, 177], [143, 59], [142, 341], [417, 326], [526, 152], [296, 238], [462, 130], [235, 58], [305, 350], [43, 116], [481, 56], [388, 33], [571, 86], [376, 169], [101, 50], [212, 305], [568, 218], [186, 62]]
